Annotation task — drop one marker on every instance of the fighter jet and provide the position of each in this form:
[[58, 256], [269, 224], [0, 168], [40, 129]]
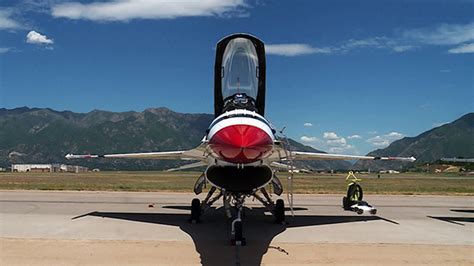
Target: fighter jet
[[240, 149]]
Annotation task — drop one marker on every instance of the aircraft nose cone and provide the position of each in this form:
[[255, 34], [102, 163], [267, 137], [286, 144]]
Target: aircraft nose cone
[[241, 143]]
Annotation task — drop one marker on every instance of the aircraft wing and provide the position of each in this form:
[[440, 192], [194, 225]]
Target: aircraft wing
[[195, 154], [299, 155]]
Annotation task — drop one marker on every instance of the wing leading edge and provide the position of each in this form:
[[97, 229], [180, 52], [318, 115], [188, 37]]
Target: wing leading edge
[[194, 154], [299, 155]]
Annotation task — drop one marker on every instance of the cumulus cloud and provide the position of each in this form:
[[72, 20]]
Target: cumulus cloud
[[124, 10], [331, 142], [6, 22], [337, 144], [330, 135], [307, 124], [307, 139], [354, 136], [34, 37], [395, 135], [379, 141], [463, 49], [382, 141]]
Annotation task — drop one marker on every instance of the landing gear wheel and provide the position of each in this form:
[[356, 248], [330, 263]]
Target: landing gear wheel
[[195, 211], [280, 211], [238, 240], [354, 195], [346, 204]]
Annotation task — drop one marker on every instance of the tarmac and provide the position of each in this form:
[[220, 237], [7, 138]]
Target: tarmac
[[151, 228]]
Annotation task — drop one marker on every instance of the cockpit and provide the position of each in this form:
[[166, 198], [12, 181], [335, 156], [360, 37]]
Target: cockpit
[[239, 74]]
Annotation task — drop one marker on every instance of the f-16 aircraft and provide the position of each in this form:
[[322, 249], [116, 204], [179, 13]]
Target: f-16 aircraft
[[240, 148]]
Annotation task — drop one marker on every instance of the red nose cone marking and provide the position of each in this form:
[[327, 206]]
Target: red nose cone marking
[[241, 143]]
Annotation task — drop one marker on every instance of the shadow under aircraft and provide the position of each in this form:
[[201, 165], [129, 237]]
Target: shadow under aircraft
[[212, 237]]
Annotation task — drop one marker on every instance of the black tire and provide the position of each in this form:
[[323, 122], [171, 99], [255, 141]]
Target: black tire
[[280, 211], [238, 231], [354, 193], [346, 204], [195, 210], [238, 240]]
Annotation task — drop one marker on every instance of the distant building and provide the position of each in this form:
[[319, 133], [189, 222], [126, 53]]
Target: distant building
[[389, 172], [48, 168]]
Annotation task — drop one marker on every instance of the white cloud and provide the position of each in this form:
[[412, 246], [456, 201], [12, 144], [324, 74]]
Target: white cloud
[[354, 137], [339, 141], [308, 139], [402, 48], [444, 34], [378, 141], [343, 149], [4, 50], [37, 38], [396, 135], [307, 124], [6, 22], [331, 143], [462, 49], [330, 135], [294, 49], [380, 42], [385, 140], [124, 10]]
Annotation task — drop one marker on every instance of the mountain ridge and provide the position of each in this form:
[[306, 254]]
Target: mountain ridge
[[455, 139], [44, 135]]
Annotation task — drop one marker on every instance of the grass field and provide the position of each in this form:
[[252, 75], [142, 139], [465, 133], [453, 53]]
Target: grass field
[[409, 184]]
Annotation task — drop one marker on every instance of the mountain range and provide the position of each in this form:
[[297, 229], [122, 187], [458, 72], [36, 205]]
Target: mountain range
[[43, 135], [455, 139]]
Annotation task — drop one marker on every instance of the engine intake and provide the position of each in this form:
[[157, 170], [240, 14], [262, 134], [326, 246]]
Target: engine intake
[[243, 180]]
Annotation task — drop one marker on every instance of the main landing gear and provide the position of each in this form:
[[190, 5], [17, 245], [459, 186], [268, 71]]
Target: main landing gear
[[233, 206]]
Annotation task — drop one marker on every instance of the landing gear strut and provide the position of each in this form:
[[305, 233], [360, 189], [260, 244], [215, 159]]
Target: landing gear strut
[[198, 208], [237, 232], [237, 238], [277, 209]]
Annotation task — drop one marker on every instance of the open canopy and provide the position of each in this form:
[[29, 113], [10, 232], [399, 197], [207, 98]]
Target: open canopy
[[239, 74]]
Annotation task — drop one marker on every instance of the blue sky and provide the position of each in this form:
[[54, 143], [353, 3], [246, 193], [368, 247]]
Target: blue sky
[[342, 76]]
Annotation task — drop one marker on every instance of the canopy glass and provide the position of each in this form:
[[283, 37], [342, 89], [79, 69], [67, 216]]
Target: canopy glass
[[240, 69]]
